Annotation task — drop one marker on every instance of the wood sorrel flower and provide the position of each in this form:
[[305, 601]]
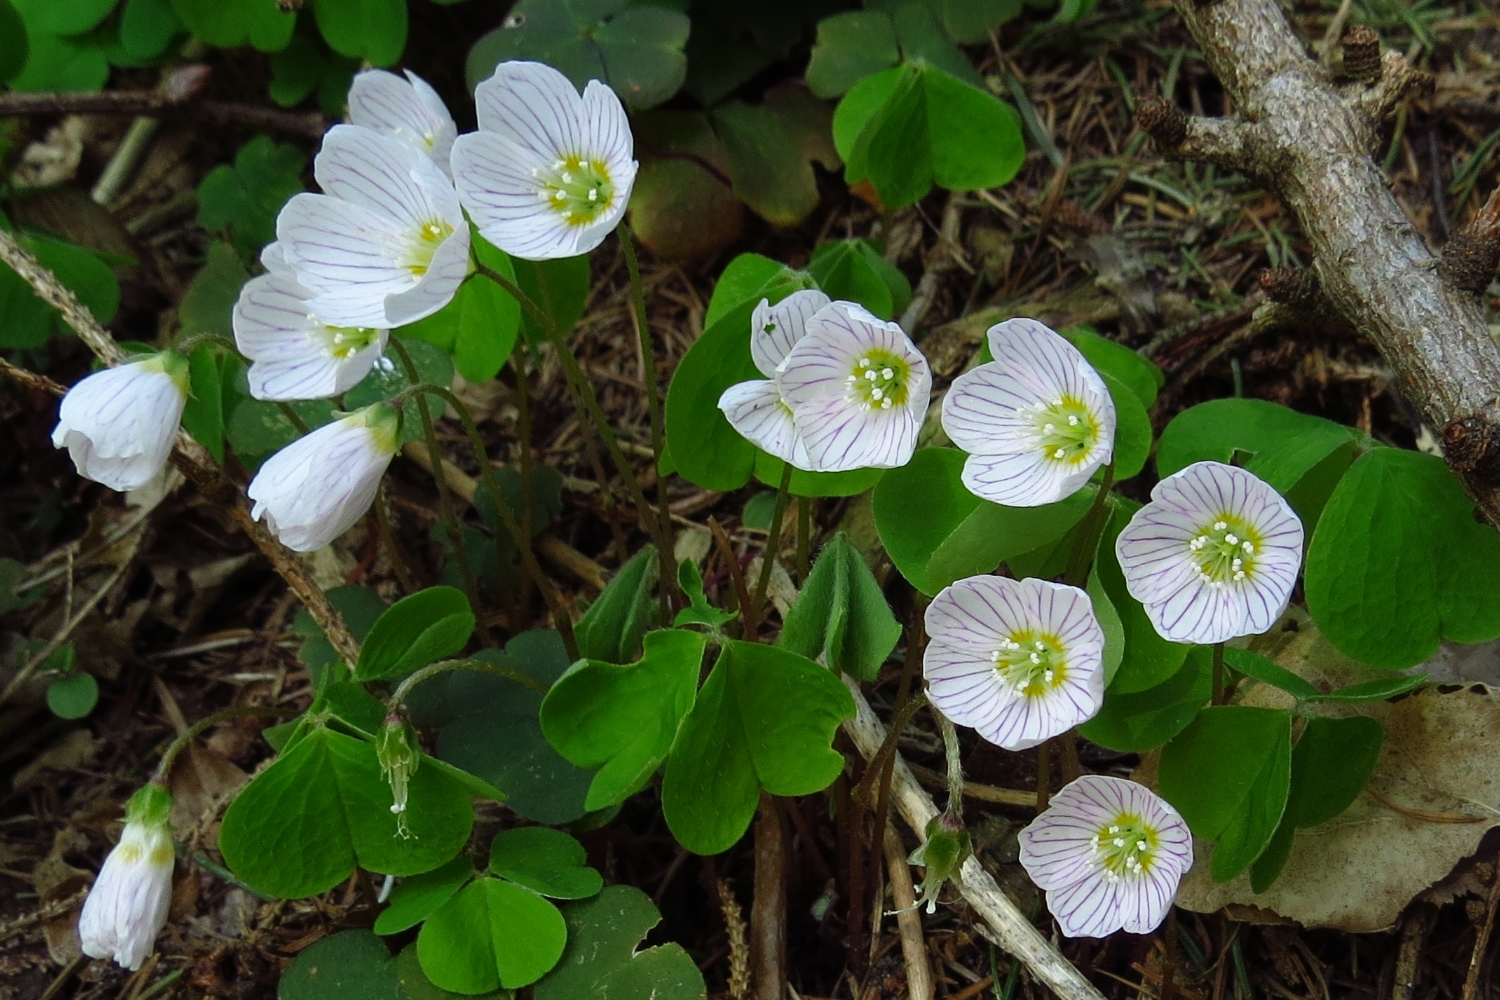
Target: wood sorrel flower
[[314, 489], [1037, 421], [406, 109], [1214, 554], [858, 389], [119, 424], [387, 243], [127, 906], [293, 352], [548, 173], [1109, 854], [1018, 660], [755, 408]]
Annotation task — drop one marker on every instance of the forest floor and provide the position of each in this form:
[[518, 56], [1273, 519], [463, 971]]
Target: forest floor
[[184, 619]]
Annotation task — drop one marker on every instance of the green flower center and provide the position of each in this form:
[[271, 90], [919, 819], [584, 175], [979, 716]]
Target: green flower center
[[346, 341], [1224, 550], [579, 190], [880, 380], [1031, 663], [429, 238], [1066, 430], [1126, 845]]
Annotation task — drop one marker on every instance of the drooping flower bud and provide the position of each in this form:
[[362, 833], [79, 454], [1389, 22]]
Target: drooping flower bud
[[948, 846], [127, 906], [119, 424], [396, 749]]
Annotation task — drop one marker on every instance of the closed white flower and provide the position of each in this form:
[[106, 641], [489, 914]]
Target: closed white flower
[[1037, 421], [1213, 556], [1109, 853], [407, 109], [127, 906], [858, 390], [314, 489], [1020, 661], [549, 173], [119, 424], [293, 352], [755, 408], [386, 244]]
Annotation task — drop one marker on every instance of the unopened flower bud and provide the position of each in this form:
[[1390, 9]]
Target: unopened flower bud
[[396, 749], [948, 846], [119, 424], [127, 906]]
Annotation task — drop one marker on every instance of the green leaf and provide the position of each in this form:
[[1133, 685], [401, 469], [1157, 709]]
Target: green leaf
[[841, 615], [1134, 722], [1269, 672], [708, 451], [203, 416], [13, 42], [993, 533], [350, 965], [604, 959], [73, 696], [624, 719], [29, 321], [385, 381], [743, 735], [908, 128], [416, 985], [360, 608], [491, 934], [430, 625], [750, 278], [414, 899], [918, 506], [768, 168], [208, 305], [228, 24], [559, 287], [372, 30], [480, 326], [1109, 623], [1129, 367], [1149, 659], [924, 42], [637, 50], [147, 27], [244, 199], [64, 17], [1273, 859], [60, 63], [850, 47], [969, 22], [612, 627], [1132, 429], [1398, 562], [1229, 773], [326, 795], [1379, 690], [545, 861], [855, 271], [699, 611]]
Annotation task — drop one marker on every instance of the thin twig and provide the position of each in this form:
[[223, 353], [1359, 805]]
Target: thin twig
[[919, 983]]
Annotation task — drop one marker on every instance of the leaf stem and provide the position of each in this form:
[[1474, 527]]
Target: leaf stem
[[768, 554], [648, 371], [1086, 542], [164, 769], [398, 697]]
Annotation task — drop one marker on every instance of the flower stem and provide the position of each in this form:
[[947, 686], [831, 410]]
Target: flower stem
[[768, 554], [955, 762], [1086, 542], [586, 398], [292, 416], [804, 537], [398, 697], [648, 370], [1218, 697], [164, 769]]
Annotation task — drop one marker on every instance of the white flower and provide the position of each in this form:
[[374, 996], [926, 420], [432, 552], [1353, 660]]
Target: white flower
[[293, 352], [387, 243], [1109, 854], [127, 906], [755, 408], [1037, 421], [119, 423], [407, 109], [858, 389], [314, 489], [1018, 660], [1214, 554], [548, 173]]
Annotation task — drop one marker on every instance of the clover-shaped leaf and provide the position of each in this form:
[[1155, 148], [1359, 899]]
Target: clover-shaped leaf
[[604, 959], [544, 860]]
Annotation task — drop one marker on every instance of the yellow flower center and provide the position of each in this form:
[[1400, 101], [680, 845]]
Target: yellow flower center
[[1031, 663], [577, 189], [346, 341], [1126, 845], [1224, 550], [1066, 431], [429, 238], [880, 380]]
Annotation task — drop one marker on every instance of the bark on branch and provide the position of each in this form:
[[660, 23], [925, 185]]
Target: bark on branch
[[1310, 143]]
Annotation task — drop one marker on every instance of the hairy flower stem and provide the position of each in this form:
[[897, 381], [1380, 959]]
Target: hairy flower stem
[[588, 401], [648, 371], [955, 763], [522, 539], [768, 555], [164, 769], [398, 697], [1086, 542]]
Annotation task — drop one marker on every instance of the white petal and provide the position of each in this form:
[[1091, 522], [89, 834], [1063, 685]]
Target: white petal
[[775, 330], [408, 109], [1021, 480], [119, 424], [345, 251], [387, 176], [606, 134], [127, 906], [1049, 361], [1088, 908], [984, 410], [436, 288], [494, 181], [755, 410], [534, 106]]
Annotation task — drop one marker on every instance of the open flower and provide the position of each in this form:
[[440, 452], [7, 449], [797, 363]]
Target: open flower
[[293, 352], [127, 906], [755, 408], [1214, 554], [119, 424], [1037, 421], [407, 109], [1109, 854], [1018, 660], [387, 243], [858, 389], [548, 173], [314, 489]]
